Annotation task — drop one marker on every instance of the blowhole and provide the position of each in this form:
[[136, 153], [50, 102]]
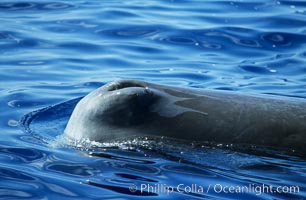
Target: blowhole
[[124, 84]]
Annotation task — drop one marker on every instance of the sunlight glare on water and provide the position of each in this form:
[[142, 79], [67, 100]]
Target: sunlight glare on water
[[54, 52]]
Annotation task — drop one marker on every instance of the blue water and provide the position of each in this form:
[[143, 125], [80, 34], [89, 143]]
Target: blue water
[[53, 52]]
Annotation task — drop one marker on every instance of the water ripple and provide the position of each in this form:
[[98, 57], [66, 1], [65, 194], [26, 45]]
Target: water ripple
[[70, 168], [55, 52], [130, 32], [25, 154], [284, 39], [33, 6]]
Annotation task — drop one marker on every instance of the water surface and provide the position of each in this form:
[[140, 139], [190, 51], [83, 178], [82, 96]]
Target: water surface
[[52, 52]]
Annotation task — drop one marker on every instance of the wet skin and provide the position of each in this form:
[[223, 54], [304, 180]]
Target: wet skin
[[129, 108]]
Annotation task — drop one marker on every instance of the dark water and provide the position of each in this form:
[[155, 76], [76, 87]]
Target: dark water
[[52, 52]]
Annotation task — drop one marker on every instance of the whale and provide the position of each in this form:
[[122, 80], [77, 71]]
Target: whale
[[127, 109]]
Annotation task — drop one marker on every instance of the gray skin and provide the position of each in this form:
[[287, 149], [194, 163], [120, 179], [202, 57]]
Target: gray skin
[[129, 108]]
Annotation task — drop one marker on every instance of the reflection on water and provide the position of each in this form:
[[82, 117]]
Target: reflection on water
[[53, 52]]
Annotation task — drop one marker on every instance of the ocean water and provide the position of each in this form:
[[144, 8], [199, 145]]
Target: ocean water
[[53, 52]]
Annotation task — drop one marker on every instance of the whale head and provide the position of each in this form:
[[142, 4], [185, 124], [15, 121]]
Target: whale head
[[112, 111]]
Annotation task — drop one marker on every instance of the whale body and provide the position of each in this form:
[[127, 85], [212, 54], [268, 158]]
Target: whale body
[[129, 108]]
